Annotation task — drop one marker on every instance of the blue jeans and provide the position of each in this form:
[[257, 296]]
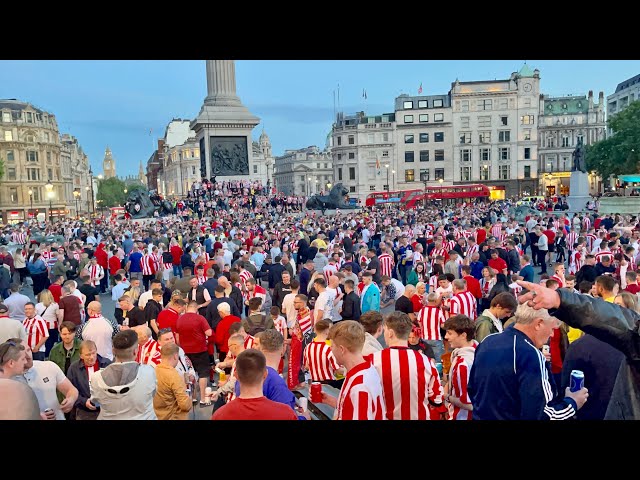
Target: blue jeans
[[438, 348], [177, 271]]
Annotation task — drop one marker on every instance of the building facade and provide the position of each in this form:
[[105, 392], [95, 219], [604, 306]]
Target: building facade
[[30, 152], [562, 123], [424, 142], [263, 161], [75, 175], [181, 168], [626, 93], [154, 167], [363, 151], [495, 133], [304, 171], [108, 164]]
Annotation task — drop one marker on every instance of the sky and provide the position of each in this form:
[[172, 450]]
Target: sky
[[127, 104]]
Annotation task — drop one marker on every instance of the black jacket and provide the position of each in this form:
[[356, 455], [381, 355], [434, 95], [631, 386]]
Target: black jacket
[[513, 260], [619, 327], [212, 315], [236, 296], [303, 249], [77, 375], [151, 311], [5, 277], [279, 293], [351, 307], [586, 272], [275, 274], [211, 285]]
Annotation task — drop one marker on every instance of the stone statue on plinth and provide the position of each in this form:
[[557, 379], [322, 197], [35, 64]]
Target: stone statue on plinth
[[579, 162]]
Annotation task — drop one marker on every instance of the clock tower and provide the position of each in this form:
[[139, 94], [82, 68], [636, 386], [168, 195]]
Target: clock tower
[[108, 164]]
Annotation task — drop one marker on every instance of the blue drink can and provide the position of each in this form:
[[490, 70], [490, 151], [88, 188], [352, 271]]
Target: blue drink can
[[577, 380], [439, 368]]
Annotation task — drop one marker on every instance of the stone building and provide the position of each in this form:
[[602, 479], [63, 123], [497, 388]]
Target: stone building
[[304, 171], [626, 93], [108, 164]]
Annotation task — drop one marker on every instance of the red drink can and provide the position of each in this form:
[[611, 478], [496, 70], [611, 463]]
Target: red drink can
[[316, 392]]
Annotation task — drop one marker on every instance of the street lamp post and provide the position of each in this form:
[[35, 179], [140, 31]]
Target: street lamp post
[[49, 187], [30, 203], [309, 187], [93, 207], [441, 199], [76, 194], [387, 166], [425, 181]]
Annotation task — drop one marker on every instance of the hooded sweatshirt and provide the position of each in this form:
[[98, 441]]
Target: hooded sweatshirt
[[125, 391]]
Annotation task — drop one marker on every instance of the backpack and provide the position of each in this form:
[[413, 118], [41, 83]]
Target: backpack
[[257, 322]]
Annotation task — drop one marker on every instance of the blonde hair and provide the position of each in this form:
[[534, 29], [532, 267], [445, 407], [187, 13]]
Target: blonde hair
[[45, 297], [349, 334]]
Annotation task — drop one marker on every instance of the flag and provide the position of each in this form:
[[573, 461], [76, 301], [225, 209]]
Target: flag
[[364, 94], [420, 89], [378, 165], [150, 131]]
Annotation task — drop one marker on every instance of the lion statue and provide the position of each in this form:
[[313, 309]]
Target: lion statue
[[140, 205], [520, 212], [336, 199]]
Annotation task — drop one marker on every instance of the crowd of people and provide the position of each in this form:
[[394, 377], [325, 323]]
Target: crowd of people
[[432, 313]]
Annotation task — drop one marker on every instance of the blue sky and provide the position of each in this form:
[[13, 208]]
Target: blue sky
[[116, 103]]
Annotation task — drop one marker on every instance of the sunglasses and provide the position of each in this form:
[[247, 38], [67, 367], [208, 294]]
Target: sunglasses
[[162, 331]]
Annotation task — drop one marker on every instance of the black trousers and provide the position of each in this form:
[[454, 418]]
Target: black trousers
[[542, 260]]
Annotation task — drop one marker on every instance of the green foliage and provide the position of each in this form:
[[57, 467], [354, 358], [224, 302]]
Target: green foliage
[[135, 187], [111, 192], [619, 154]]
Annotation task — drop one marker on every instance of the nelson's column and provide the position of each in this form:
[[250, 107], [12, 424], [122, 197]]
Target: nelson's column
[[223, 127]]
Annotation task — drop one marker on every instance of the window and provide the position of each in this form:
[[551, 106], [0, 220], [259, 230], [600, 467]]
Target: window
[[424, 155], [504, 120], [465, 174], [485, 154], [385, 137], [464, 105], [408, 156], [504, 136], [424, 174], [385, 153], [439, 174], [527, 153], [438, 137], [339, 156], [526, 120], [302, 178], [504, 172], [339, 174], [46, 137], [339, 140], [49, 174], [13, 194], [465, 155], [484, 137], [551, 142], [484, 121], [438, 155], [193, 169], [407, 105], [36, 194], [424, 117], [33, 174], [29, 117], [352, 156], [352, 140], [504, 153], [438, 117], [424, 138], [565, 164], [318, 166], [503, 104], [372, 188], [527, 133], [485, 104], [10, 157], [409, 175], [465, 137], [408, 139], [11, 173], [437, 104], [371, 138], [565, 141], [352, 189], [423, 104], [408, 119], [6, 117], [485, 172], [49, 157], [32, 156], [8, 136], [352, 173], [326, 165], [580, 138], [464, 122], [527, 171]]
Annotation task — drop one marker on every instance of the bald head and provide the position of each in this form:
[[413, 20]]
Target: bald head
[[144, 333], [334, 281], [18, 401], [94, 308], [409, 291]]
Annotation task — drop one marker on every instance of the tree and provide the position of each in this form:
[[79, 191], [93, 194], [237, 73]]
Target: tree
[[111, 192], [618, 154], [133, 187]]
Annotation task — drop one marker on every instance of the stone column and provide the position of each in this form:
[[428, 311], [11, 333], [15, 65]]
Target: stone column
[[221, 83]]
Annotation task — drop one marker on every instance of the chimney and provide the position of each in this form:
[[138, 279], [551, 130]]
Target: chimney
[[601, 98], [590, 99]]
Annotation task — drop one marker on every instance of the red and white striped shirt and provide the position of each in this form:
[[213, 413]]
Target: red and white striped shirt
[[471, 250], [361, 395], [602, 253], [95, 271], [463, 303], [201, 279], [439, 252], [148, 265], [406, 378], [258, 291], [328, 271], [515, 289], [496, 230], [320, 361], [304, 321], [19, 237], [244, 276], [431, 319], [36, 329], [557, 279], [572, 238], [149, 353], [449, 245], [575, 262], [386, 264], [433, 283], [586, 224], [249, 340], [460, 371], [280, 324]]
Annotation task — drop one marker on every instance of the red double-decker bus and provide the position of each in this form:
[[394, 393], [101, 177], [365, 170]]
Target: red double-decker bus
[[411, 198]]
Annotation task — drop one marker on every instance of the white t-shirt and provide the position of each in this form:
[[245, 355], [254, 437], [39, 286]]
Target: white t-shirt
[[287, 306], [101, 332], [324, 302], [43, 378], [399, 288], [335, 315]]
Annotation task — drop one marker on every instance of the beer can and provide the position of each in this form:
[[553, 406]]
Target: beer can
[[546, 349], [316, 392], [577, 380], [303, 402], [222, 377]]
